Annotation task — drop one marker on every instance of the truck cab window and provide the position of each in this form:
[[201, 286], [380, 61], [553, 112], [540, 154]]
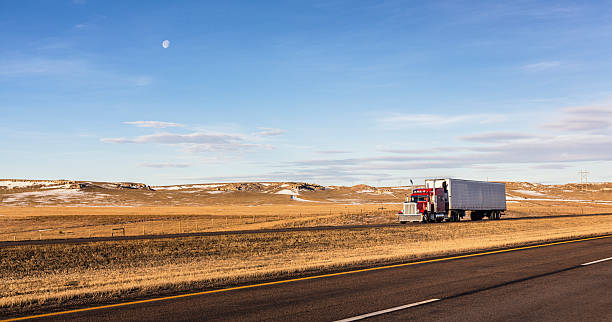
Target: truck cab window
[[419, 198]]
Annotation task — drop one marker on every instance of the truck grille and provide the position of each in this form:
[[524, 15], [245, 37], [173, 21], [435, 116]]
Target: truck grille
[[410, 208]]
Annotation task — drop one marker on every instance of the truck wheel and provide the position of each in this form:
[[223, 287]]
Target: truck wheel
[[455, 217], [403, 222], [475, 216]]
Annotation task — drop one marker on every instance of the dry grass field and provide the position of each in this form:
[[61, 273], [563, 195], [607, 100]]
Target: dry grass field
[[38, 277], [33, 223], [26, 223]]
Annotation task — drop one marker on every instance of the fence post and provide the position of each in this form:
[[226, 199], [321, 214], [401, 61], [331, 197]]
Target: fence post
[[179, 226], [226, 220], [253, 218]]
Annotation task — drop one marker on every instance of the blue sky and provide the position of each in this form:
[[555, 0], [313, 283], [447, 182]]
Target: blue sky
[[333, 92]]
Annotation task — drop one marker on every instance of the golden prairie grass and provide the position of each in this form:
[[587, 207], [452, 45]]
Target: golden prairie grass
[[26, 223], [23, 223], [48, 276], [531, 208]]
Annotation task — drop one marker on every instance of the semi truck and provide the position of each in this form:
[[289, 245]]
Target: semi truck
[[450, 199]]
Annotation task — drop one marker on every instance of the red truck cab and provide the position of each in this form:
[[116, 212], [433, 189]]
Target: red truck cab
[[426, 204], [422, 197]]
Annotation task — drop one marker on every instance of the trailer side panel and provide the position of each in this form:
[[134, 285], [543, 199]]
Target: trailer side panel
[[476, 195]]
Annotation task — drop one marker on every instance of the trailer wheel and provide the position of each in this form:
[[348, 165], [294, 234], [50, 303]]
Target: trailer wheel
[[455, 216], [476, 215]]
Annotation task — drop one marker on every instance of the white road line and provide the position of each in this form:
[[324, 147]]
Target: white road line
[[598, 261], [397, 308]]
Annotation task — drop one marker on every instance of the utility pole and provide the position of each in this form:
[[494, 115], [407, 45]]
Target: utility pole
[[584, 178]]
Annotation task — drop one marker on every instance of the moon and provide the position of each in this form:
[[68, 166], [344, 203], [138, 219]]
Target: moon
[[166, 43]]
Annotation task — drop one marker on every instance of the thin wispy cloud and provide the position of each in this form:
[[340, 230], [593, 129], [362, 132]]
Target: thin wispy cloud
[[437, 149], [77, 71], [194, 142], [333, 151], [552, 166], [496, 137], [176, 138], [42, 66], [541, 66], [142, 80], [82, 26], [593, 111], [165, 165], [427, 120], [54, 43], [583, 119], [153, 124], [268, 131]]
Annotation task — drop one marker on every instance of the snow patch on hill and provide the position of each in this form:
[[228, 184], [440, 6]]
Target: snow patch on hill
[[287, 192], [530, 193], [296, 198], [24, 184]]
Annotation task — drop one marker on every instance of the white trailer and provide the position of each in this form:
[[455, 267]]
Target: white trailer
[[450, 199]]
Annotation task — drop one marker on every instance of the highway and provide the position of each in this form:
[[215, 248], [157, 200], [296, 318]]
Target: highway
[[562, 281]]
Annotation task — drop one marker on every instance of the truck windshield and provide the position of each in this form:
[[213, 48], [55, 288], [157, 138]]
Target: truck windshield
[[419, 198]]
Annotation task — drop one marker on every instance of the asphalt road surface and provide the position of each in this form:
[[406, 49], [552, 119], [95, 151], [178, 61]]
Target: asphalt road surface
[[539, 283]]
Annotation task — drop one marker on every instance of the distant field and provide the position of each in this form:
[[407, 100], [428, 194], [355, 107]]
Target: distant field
[[23, 223], [27, 223], [50, 276]]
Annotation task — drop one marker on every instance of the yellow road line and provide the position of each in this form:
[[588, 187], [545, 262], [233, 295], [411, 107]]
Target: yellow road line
[[301, 279]]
